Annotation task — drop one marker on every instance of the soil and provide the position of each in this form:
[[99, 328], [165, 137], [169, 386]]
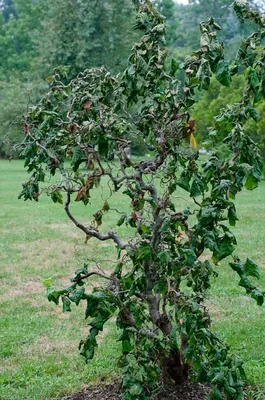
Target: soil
[[186, 391]]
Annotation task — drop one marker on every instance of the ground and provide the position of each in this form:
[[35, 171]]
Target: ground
[[187, 391], [39, 358]]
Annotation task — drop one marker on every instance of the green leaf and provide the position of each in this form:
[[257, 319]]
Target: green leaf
[[126, 346], [164, 257], [91, 308], [225, 248], [190, 256], [121, 220], [232, 217], [245, 283], [98, 323], [251, 268], [57, 197], [251, 182], [78, 295], [136, 389], [253, 79], [103, 146], [222, 73], [208, 215], [216, 394], [151, 202], [263, 87], [258, 296], [77, 158], [209, 240], [184, 182], [258, 97], [174, 66], [139, 204], [195, 189], [47, 282], [165, 226], [145, 252], [145, 229], [237, 266], [54, 295], [219, 378], [66, 304], [230, 391], [253, 113], [98, 296]]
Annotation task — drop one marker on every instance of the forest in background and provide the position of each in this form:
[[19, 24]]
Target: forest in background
[[36, 36]]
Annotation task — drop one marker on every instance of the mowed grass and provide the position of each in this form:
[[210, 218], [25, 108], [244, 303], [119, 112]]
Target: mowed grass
[[38, 343]]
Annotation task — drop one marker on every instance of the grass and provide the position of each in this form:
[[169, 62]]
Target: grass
[[38, 351]]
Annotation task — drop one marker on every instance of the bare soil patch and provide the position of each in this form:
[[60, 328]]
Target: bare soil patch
[[186, 391]]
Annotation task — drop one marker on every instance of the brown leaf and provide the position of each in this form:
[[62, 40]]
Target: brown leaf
[[106, 207], [71, 127], [87, 105], [90, 180], [82, 193]]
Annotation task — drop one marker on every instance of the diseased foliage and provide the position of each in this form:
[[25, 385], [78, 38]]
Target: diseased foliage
[[158, 286]]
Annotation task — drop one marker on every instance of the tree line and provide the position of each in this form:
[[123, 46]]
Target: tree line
[[36, 36]]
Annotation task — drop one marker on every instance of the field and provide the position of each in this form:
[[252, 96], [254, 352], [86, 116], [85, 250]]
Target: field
[[38, 343]]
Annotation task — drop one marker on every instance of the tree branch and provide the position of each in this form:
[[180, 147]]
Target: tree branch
[[93, 232]]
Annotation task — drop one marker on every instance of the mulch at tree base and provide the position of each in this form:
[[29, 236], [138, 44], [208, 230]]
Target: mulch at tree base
[[186, 391]]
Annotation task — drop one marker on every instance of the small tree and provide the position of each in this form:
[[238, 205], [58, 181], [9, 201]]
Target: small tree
[[157, 289]]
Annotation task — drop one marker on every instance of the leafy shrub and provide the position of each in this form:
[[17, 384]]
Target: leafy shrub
[[157, 289]]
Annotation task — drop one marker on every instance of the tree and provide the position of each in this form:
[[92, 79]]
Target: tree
[[157, 289], [85, 34], [17, 38], [15, 99], [8, 8], [19, 23], [210, 105], [189, 17]]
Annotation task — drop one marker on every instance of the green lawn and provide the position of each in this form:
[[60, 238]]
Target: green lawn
[[38, 343]]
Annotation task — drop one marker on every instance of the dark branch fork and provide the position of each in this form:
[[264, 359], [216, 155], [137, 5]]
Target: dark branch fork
[[93, 232]]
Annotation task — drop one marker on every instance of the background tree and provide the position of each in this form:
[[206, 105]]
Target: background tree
[[8, 8], [189, 17], [19, 24], [157, 289], [83, 35], [17, 38], [33, 41], [168, 9]]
